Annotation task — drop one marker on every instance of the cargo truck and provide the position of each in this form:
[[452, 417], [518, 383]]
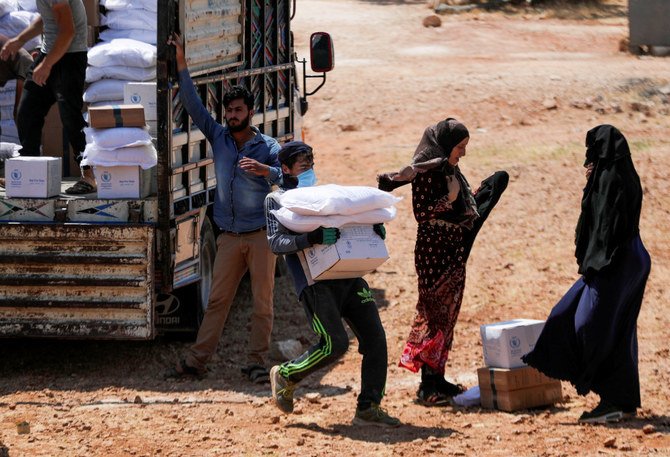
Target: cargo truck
[[86, 267]]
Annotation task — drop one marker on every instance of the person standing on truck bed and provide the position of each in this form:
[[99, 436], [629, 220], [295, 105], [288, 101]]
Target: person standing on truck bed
[[15, 68], [57, 75], [246, 165]]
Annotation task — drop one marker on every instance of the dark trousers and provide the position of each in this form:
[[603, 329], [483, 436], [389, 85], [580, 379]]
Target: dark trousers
[[327, 303], [487, 197], [64, 86]]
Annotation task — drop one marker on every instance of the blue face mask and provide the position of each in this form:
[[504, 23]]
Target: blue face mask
[[307, 178]]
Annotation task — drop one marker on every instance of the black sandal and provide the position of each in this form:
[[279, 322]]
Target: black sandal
[[431, 397], [257, 374], [181, 370], [81, 187]]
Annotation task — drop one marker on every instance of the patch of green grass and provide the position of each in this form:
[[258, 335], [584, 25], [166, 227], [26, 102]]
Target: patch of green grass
[[641, 145], [525, 154]]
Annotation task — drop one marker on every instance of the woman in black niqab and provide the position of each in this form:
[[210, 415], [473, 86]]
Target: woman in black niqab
[[590, 337]]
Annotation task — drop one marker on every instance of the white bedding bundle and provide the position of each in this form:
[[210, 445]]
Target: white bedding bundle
[[121, 59], [307, 208], [135, 19], [118, 147]]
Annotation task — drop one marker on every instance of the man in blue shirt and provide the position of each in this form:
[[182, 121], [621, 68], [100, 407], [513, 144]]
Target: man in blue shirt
[[246, 165]]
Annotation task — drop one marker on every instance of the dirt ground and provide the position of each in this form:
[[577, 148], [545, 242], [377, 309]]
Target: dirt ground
[[528, 83]]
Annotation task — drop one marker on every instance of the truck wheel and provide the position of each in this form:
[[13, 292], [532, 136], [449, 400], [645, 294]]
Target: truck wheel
[[207, 254]]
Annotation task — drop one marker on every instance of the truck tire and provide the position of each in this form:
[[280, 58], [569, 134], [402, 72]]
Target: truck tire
[[207, 254]]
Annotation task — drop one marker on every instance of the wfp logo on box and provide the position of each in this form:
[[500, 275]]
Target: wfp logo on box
[[514, 343], [136, 98], [106, 180], [15, 175]]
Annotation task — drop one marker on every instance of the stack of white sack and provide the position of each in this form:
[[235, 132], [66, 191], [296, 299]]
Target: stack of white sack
[[8, 132], [135, 19], [122, 59], [121, 146], [307, 208], [13, 21]]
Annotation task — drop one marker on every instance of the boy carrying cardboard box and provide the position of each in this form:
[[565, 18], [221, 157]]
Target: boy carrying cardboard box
[[327, 303]]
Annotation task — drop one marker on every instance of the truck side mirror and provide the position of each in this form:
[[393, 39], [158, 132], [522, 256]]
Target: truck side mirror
[[322, 55]]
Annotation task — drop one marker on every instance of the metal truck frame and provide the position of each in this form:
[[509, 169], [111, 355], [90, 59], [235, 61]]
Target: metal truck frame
[[73, 267]]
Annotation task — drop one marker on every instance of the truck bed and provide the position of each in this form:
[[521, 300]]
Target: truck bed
[[77, 208]]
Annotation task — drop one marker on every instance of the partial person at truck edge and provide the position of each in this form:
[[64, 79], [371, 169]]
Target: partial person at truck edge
[[57, 75]]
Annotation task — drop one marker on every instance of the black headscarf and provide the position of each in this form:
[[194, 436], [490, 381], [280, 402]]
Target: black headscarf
[[611, 203], [432, 154], [433, 151]]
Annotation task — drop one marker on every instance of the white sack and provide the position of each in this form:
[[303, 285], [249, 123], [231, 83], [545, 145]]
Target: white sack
[[9, 150], [120, 72], [120, 137], [146, 36], [6, 112], [130, 19], [336, 199], [470, 397], [7, 6], [8, 128], [143, 156], [11, 24], [122, 52], [114, 5], [8, 93], [104, 89], [10, 139], [118, 101], [27, 5], [303, 224]]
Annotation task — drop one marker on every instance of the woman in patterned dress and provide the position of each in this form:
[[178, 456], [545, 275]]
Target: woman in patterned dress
[[449, 216]]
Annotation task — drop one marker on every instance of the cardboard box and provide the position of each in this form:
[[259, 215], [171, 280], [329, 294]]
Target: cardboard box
[[505, 342], [123, 182], [514, 400], [33, 177], [503, 379], [142, 93], [110, 116], [358, 251]]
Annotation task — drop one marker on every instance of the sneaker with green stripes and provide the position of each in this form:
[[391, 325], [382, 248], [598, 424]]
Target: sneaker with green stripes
[[375, 416], [282, 390]]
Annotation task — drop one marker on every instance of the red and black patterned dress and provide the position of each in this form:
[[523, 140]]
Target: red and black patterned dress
[[439, 258]]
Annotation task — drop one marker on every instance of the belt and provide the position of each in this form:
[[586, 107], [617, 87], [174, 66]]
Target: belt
[[227, 232]]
